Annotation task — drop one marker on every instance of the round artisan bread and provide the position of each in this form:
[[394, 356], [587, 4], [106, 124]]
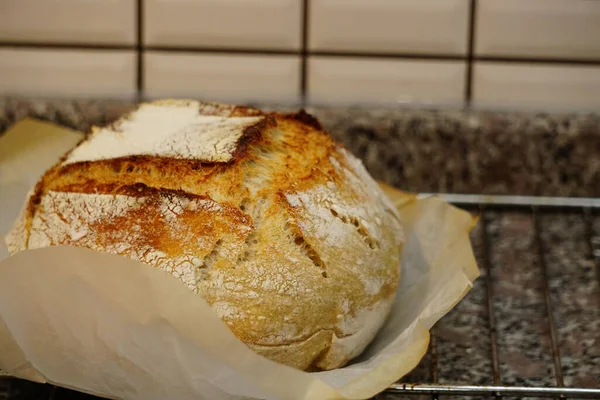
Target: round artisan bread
[[281, 230]]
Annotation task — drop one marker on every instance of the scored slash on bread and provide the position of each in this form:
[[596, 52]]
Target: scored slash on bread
[[280, 229]]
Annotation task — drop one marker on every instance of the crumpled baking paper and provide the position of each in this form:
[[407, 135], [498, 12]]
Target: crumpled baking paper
[[117, 328]]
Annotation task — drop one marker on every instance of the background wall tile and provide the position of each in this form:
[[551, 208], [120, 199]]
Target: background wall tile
[[232, 77], [538, 28], [395, 50], [68, 21], [356, 80], [538, 86], [77, 73], [399, 26], [264, 24]]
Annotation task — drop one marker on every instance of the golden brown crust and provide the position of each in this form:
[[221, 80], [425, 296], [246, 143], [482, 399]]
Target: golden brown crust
[[290, 241]]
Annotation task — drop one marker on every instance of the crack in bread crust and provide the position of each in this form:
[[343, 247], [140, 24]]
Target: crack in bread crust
[[286, 239]]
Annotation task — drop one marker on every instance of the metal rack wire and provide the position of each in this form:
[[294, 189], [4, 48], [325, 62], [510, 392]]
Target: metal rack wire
[[537, 207]]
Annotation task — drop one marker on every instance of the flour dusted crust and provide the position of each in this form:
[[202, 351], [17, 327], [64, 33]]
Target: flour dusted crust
[[281, 230]]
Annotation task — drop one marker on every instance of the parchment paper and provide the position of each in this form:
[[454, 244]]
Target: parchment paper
[[117, 328]]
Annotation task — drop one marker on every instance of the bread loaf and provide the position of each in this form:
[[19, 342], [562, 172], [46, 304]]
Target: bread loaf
[[281, 230]]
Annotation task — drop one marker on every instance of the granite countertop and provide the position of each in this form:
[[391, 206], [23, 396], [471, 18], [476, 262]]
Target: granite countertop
[[457, 151]]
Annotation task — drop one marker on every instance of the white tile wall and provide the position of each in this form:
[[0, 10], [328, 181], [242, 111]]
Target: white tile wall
[[372, 32], [536, 86], [356, 80], [261, 24], [229, 77], [538, 28], [77, 73], [397, 26], [68, 21]]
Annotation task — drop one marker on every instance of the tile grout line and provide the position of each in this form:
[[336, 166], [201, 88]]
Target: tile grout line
[[225, 50], [340, 54], [470, 50], [537, 60], [139, 49], [66, 45], [304, 51]]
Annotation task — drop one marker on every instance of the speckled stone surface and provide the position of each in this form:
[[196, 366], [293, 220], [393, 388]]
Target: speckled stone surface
[[474, 152], [463, 338], [575, 295], [524, 349], [463, 152]]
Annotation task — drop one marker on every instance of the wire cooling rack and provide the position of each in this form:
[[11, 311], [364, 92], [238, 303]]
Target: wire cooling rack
[[536, 207]]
